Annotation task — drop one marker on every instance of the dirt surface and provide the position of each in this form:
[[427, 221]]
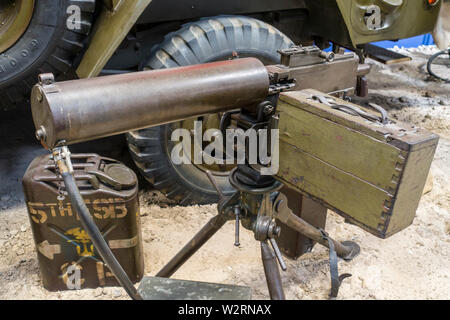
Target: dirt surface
[[413, 264]]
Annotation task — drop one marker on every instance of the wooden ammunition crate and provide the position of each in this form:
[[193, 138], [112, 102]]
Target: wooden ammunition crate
[[372, 174]]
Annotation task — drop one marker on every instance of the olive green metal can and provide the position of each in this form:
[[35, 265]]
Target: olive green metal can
[[66, 255]]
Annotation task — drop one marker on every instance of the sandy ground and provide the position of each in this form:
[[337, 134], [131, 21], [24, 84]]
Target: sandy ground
[[414, 264]]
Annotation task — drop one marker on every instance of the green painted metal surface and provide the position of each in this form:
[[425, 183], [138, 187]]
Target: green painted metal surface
[[398, 19], [155, 288]]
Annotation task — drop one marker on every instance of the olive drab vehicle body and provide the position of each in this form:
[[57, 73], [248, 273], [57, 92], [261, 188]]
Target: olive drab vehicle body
[[349, 23], [109, 24]]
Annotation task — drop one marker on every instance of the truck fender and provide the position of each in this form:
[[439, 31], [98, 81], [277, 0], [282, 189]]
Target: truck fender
[[116, 18]]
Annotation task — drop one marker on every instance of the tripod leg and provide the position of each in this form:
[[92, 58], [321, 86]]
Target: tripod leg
[[192, 246], [272, 273], [347, 250]]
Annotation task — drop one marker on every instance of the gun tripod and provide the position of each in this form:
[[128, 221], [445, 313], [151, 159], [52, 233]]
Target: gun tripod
[[256, 204]]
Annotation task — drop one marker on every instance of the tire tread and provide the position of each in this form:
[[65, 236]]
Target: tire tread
[[56, 58], [196, 42]]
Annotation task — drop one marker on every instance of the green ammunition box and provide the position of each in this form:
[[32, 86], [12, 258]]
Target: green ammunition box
[[343, 156]]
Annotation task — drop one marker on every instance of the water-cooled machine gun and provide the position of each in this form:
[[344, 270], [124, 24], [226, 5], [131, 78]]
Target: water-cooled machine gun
[[353, 160]]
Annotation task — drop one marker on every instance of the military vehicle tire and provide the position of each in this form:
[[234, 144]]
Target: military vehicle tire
[[207, 40], [48, 43]]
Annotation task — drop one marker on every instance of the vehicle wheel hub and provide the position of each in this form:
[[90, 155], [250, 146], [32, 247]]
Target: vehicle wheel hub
[[15, 16]]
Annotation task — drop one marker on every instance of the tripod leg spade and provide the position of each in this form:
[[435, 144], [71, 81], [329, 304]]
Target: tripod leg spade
[[272, 272], [192, 246]]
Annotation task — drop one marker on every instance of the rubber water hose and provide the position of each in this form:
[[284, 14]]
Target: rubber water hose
[[431, 60], [97, 239]]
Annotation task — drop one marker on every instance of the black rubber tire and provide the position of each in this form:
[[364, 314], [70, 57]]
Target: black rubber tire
[[47, 45], [207, 40]]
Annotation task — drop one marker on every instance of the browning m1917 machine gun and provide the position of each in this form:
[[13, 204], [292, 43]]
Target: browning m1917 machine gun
[[353, 160]]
